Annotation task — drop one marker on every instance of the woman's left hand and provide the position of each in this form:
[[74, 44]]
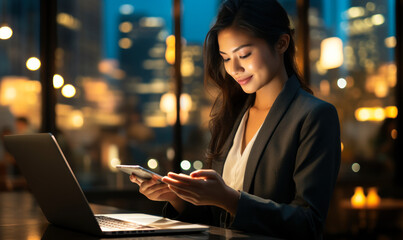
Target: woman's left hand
[[203, 187]]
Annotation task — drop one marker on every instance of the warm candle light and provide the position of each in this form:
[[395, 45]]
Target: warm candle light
[[358, 199], [376, 114], [373, 199]]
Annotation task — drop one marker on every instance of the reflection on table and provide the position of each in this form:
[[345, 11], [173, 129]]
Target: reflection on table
[[386, 216]]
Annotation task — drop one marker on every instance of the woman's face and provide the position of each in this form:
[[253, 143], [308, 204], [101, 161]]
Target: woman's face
[[249, 60]]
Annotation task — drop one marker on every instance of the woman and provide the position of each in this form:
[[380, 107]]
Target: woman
[[274, 149]]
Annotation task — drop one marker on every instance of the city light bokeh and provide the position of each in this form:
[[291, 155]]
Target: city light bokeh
[[5, 32]]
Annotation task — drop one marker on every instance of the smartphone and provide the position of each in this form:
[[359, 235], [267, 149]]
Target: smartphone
[[139, 171]]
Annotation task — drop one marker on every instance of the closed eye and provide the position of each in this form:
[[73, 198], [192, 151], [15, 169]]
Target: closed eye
[[245, 56]]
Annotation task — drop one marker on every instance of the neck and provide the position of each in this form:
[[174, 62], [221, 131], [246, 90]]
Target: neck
[[266, 96]]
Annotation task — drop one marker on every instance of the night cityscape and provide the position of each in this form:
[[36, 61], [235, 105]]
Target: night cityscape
[[115, 88]]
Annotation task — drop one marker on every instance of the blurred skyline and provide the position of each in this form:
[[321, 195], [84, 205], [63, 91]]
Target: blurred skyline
[[194, 26]]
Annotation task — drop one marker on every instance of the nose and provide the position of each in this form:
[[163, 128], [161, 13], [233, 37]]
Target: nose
[[235, 67]]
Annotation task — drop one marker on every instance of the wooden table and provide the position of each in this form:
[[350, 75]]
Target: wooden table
[[21, 218]]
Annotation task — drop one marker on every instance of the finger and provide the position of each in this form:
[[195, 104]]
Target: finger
[[176, 182], [192, 185], [169, 180], [181, 177], [134, 179], [204, 173]]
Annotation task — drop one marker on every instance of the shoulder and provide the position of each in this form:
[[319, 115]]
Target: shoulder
[[311, 112], [302, 102], [309, 104], [316, 116]]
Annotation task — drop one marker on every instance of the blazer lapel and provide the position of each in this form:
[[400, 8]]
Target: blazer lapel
[[274, 116]]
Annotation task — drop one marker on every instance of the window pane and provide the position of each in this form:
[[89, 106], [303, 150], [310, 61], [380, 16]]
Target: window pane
[[198, 17], [110, 56], [352, 65], [20, 89], [291, 7], [115, 99]]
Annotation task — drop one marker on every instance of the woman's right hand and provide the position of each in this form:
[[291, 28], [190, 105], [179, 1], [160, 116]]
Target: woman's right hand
[[157, 191]]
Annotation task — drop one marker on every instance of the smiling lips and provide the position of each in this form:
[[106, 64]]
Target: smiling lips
[[244, 80]]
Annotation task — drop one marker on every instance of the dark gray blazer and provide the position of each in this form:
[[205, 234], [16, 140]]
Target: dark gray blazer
[[291, 171]]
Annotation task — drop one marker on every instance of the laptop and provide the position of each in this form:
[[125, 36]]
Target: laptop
[[62, 200]]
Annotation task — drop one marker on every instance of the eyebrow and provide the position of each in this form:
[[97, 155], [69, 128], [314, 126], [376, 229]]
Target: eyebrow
[[238, 48]]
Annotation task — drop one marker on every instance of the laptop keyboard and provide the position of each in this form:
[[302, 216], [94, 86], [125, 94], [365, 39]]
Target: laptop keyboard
[[113, 223]]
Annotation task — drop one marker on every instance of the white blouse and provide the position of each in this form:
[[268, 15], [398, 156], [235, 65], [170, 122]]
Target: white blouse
[[235, 164]]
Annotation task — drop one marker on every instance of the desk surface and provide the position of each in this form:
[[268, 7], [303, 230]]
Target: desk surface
[[21, 218]]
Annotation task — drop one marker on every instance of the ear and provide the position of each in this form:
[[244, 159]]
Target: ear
[[282, 43]]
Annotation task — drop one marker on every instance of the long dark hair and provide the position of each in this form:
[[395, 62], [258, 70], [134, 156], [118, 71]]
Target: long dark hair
[[265, 19]]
